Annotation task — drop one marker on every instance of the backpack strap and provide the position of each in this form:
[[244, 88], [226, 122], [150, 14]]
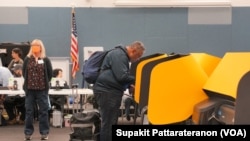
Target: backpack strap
[[123, 49], [117, 47]]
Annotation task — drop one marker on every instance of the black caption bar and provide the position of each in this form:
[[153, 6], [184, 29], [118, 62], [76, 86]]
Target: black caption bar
[[221, 132]]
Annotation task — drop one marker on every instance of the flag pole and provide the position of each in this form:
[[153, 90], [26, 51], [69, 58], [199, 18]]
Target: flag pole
[[74, 45], [73, 9]]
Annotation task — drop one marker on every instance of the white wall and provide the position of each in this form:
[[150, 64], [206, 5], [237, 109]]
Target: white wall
[[99, 3], [240, 2], [57, 3]]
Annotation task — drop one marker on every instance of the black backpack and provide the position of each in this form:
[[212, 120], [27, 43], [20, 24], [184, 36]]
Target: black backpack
[[85, 133], [92, 66]]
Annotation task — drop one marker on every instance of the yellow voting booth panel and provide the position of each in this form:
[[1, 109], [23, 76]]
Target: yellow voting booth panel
[[175, 87], [206, 61], [225, 78], [139, 75]]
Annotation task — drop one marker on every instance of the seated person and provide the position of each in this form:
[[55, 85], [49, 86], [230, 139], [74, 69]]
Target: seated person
[[129, 101], [5, 74], [58, 101], [15, 104]]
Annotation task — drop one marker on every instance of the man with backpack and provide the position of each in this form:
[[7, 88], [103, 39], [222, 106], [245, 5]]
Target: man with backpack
[[111, 83]]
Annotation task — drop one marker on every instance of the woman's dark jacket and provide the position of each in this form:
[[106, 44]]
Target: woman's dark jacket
[[48, 72]]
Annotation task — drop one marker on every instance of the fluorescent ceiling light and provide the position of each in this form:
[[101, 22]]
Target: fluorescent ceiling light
[[172, 3]]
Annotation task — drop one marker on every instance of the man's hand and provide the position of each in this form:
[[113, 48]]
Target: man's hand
[[132, 89]]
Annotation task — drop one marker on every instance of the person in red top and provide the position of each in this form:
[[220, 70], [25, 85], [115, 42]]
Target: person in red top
[[37, 73]]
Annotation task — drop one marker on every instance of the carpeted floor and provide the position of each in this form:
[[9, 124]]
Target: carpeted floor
[[15, 132]]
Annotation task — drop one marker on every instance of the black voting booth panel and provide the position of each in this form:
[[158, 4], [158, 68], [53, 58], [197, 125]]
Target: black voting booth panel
[[6, 49], [242, 111], [175, 88], [214, 111], [136, 71]]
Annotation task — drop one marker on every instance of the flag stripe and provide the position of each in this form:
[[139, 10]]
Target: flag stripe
[[74, 47]]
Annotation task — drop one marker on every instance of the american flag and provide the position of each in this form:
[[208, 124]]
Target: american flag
[[74, 46]]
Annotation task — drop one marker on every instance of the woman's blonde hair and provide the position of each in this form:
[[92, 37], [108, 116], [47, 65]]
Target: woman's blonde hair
[[39, 43]]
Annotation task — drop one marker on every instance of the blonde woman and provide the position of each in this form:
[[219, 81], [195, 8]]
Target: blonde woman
[[37, 72]]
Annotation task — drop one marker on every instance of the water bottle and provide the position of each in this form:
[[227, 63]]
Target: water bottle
[[71, 100], [15, 86], [57, 85]]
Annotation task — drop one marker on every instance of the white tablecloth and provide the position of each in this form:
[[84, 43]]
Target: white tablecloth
[[52, 92]]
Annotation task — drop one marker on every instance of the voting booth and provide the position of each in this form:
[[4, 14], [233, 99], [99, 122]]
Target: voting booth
[[228, 86], [170, 86]]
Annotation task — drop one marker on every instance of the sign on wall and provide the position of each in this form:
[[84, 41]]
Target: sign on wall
[[87, 51]]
